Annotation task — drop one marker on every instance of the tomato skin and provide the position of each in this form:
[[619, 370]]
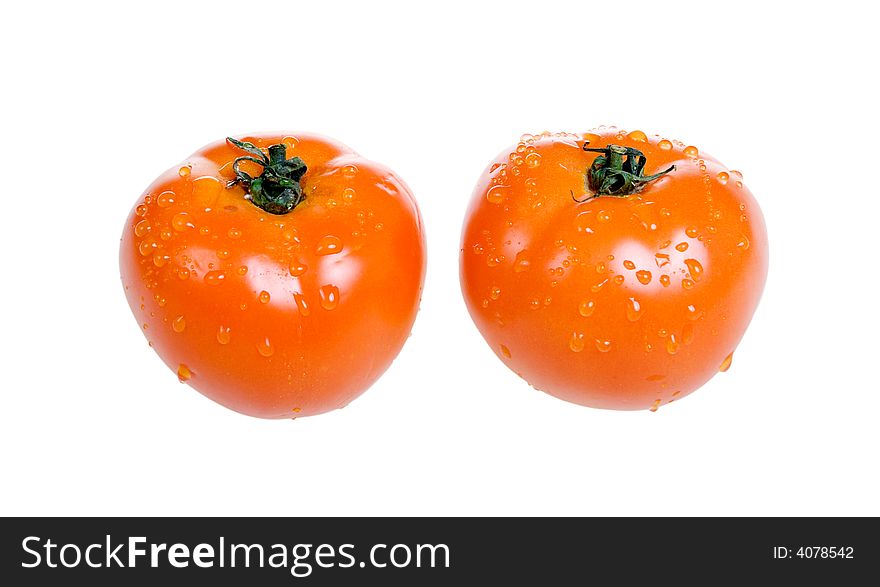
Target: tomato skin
[[612, 302], [276, 316]]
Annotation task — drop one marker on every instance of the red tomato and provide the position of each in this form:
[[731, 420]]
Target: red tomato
[[278, 287], [617, 277]]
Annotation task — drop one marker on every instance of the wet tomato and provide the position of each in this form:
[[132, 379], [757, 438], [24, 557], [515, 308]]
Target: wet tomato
[[612, 269], [277, 275]]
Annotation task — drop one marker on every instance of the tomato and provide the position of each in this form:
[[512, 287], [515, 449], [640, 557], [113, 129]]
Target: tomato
[[278, 287], [612, 269]]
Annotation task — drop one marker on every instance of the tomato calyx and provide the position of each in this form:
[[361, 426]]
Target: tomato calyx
[[277, 189], [618, 171]]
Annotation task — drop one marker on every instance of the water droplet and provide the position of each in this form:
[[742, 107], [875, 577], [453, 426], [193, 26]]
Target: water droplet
[[160, 300], [505, 351], [264, 297], [329, 245], [216, 277], [165, 199], [687, 283], [494, 260], [691, 231], [160, 259], [184, 171], [601, 267], [665, 145], [603, 345], [181, 221], [691, 151], [643, 276], [495, 292], [681, 247], [349, 171], [140, 210], [301, 304], [576, 342], [638, 136], [672, 344], [520, 264], [662, 259], [329, 295], [533, 160], [233, 233], [178, 324], [141, 228], [224, 334], [242, 270], [618, 279], [297, 268], [495, 195], [603, 216], [633, 309], [725, 364], [586, 308], [494, 167], [723, 177], [655, 406], [596, 287], [664, 280], [695, 268], [183, 373], [264, 347], [348, 195], [146, 246], [629, 264], [743, 242], [165, 234]]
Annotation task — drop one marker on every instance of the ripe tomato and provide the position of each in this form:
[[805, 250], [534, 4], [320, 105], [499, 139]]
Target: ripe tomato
[[603, 285], [277, 287]]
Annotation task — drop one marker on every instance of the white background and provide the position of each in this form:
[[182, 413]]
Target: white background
[[100, 99]]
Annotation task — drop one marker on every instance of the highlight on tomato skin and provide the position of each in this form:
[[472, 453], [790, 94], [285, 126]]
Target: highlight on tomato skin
[[612, 269], [277, 274]]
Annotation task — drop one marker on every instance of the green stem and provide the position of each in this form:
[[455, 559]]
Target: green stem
[[618, 171], [277, 189]]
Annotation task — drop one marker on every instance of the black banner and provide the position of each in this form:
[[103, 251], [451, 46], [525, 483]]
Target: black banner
[[435, 551]]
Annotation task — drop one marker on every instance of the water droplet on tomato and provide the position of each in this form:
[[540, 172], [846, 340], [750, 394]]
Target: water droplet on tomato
[[586, 308], [495, 292], [265, 348], [233, 233], [178, 324], [723, 177], [691, 151], [603, 345], [693, 313], [222, 253], [141, 228], [329, 245], [725, 364], [598, 286], [216, 277], [638, 136], [661, 259], [643, 276], [664, 280], [242, 270], [505, 351], [329, 295], [520, 264], [297, 268], [493, 260], [160, 259], [224, 334], [165, 234], [672, 344], [629, 264], [681, 247], [533, 160], [146, 247], [165, 199], [618, 279], [633, 309], [141, 210], [655, 406], [349, 171], [264, 297], [743, 242], [183, 373], [301, 304], [184, 171], [687, 283], [495, 195], [348, 195], [695, 268], [691, 231], [576, 342], [603, 216], [181, 222], [665, 145]]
